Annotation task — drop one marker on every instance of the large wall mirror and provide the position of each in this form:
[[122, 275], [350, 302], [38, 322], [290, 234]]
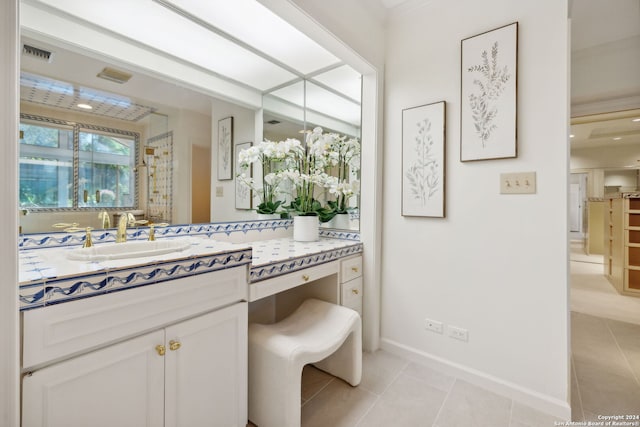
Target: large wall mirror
[[103, 134], [329, 100]]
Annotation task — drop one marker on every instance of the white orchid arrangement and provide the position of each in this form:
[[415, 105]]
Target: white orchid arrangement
[[269, 154], [345, 156], [306, 166]]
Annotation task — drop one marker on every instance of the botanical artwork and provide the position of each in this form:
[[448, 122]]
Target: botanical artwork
[[244, 194], [488, 96], [423, 155], [225, 148]]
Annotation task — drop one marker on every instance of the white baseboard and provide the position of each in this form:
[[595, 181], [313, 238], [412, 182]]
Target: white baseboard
[[539, 401]]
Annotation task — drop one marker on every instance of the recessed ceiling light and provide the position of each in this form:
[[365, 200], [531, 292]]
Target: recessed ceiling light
[[617, 138], [636, 120], [85, 106], [571, 136]]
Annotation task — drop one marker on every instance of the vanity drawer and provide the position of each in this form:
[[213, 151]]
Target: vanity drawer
[[350, 268], [352, 294], [62, 330], [291, 280]]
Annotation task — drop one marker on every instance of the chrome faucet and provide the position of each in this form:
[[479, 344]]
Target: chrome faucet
[[126, 218]]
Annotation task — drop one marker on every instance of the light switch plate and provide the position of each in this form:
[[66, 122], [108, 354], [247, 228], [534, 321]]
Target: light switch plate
[[518, 183], [219, 191]]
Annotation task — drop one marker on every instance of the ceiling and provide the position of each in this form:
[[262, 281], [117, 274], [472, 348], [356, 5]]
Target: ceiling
[[606, 130], [255, 49]]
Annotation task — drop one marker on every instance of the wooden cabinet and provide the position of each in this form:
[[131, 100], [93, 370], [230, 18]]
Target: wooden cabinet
[[169, 355], [622, 244]]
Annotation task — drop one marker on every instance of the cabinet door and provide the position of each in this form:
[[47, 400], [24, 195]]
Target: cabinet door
[[206, 372], [121, 385]]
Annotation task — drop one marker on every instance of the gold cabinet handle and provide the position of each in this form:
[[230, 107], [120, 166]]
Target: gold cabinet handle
[[174, 345], [305, 277], [161, 349], [354, 291], [354, 269]]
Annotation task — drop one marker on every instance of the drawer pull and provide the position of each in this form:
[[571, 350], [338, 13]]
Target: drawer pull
[[305, 277], [354, 269], [161, 350], [174, 345], [354, 291]]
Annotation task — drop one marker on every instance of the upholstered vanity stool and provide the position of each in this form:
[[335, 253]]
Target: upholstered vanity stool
[[318, 332]]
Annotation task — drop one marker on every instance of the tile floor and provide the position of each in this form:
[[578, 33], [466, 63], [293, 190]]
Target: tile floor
[[397, 393]]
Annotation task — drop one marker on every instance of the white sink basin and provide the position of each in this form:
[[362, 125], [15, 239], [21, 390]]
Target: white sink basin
[[133, 249]]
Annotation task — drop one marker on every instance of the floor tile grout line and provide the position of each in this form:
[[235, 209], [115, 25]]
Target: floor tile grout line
[[395, 378], [379, 396], [575, 375], [318, 392], [444, 402], [624, 356], [375, 402]]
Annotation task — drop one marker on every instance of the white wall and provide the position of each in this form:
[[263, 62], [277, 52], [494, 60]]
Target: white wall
[[626, 179], [497, 265], [9, 110], [244, 130]]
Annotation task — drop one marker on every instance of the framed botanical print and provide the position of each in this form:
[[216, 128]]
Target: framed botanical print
[[244, 195], [423, 160], [488, 95], [225, 149]]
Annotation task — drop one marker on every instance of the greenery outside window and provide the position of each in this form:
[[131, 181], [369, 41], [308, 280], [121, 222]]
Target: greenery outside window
[[73, 166]]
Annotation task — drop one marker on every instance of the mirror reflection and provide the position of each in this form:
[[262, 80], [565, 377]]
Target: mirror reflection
[[330, 101], [101, 137]]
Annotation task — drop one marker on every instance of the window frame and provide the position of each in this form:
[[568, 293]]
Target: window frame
[[78, 127]]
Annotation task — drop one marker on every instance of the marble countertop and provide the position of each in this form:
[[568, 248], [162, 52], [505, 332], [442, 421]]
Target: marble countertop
[[49, 263], [275, 257], [47, 276]]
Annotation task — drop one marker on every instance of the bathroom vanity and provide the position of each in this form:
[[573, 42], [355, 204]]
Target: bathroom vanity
[[162, 340]]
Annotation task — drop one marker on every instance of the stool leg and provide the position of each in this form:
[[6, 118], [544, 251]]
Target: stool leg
[[274, 390], [346, 362]]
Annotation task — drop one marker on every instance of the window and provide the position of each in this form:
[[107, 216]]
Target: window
[[53, 152]]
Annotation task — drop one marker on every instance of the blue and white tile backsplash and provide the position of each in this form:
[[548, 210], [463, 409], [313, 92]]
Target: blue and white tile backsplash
[[47, 277]]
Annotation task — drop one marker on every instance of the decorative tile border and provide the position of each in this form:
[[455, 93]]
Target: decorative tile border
[[54, 291], [275, 269], [340, 234], [55, 239]]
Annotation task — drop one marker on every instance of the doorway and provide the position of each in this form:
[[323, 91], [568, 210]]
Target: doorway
[[577, 206]]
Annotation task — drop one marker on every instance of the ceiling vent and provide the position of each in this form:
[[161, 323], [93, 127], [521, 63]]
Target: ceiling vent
[[273, 122], [37, 53], [114, 75]]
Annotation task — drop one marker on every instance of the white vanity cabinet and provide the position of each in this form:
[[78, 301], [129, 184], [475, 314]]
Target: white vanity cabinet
[[188, 370], [351, 283]]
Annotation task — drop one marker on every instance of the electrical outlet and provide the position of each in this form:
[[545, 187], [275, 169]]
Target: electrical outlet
[[458, 333], [433, 325], [518, 183]]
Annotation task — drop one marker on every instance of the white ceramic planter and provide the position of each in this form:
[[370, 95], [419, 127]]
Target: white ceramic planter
[[265, 217], [305, 228], [341, 221]]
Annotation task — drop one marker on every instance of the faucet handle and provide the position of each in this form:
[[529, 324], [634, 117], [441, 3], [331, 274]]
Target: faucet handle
[[87, 240]]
